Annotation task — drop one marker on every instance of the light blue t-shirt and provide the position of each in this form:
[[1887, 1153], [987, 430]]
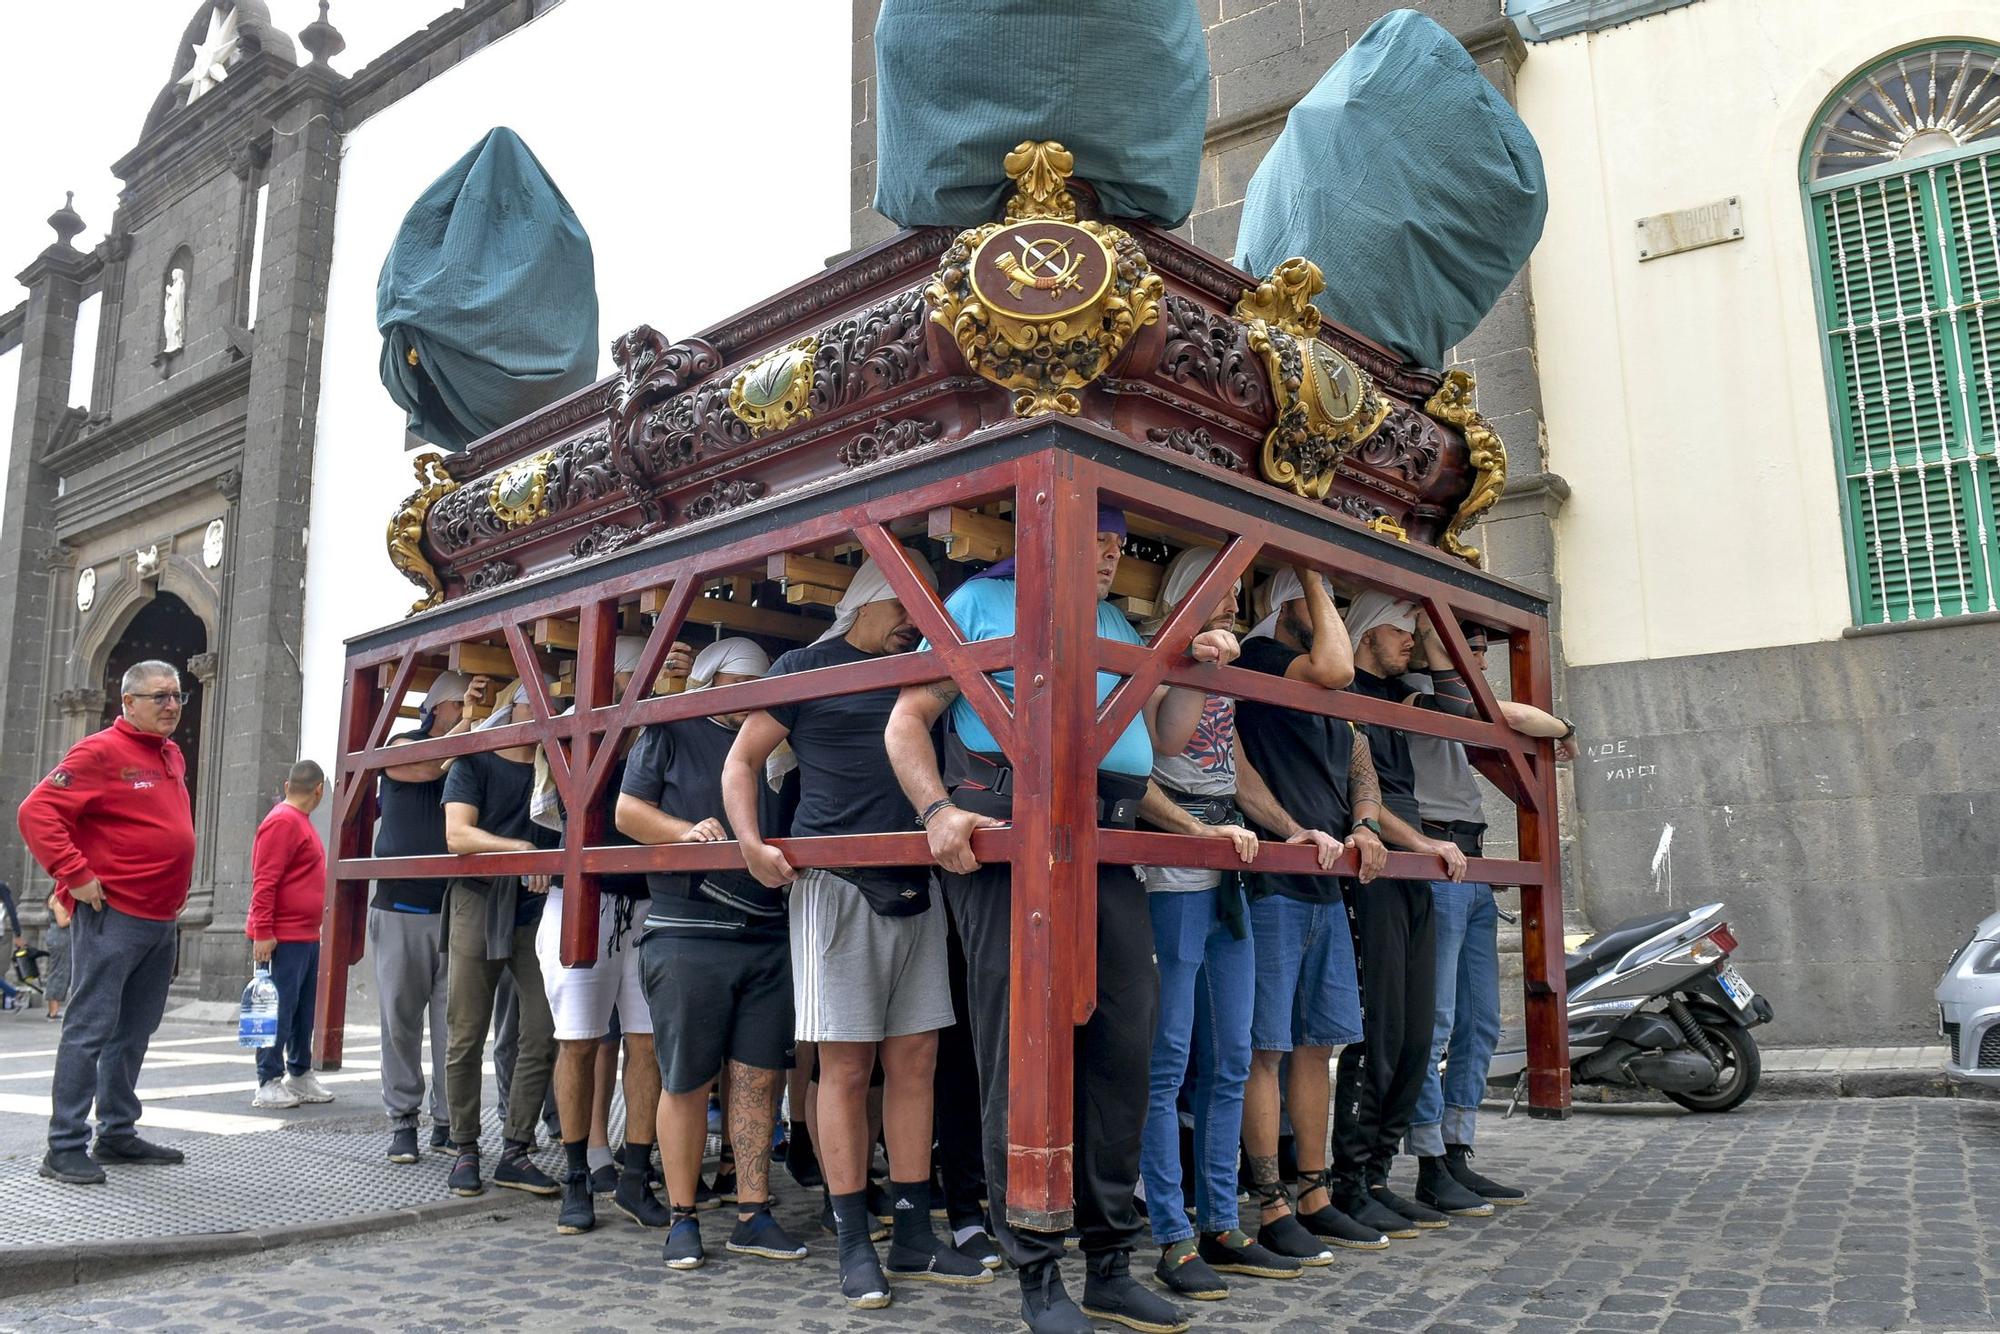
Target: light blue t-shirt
[[984, 609]]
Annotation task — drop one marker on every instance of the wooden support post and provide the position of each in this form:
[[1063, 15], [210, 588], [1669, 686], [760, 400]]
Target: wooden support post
[[344, 918], [1542, 960], [586, 820]]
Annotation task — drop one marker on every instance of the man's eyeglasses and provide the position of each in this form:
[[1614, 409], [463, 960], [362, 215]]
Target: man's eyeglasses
[[165, 697]]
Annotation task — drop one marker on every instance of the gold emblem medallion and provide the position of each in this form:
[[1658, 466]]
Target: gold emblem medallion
[[520, 490], [775, 390]]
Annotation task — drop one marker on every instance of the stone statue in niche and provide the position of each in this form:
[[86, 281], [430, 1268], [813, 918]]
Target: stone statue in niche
[[173, 316]]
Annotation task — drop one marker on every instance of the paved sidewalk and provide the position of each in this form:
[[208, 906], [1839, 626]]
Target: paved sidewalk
[[1821, 1060]]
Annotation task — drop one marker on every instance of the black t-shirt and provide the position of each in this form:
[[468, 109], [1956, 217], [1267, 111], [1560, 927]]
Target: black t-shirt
[[499, 789], [677, 767], [634, 886], [1389, 747], [845, 783], [1304, 759], [411, 825]]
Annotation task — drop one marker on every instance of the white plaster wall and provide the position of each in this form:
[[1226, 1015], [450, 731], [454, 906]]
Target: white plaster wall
[[704, 148], [1684, 396]]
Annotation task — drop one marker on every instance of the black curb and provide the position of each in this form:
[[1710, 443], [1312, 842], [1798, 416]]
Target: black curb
[[25, 1269]]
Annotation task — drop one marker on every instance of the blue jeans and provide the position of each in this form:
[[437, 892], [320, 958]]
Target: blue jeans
[[1208, 987], [1308, 990], [295, 972], [1468, 1016]]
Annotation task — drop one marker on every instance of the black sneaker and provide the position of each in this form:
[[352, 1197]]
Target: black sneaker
[[1234, 1252], [877, 1230], [465, 1174], [683, 1249], [1329, 1224], [1457, 1161], [937, 1263], [635, 1199], [604, 1180], [1184, 1273], [441, 1139], [1437, 1189], [762, 1236], [1111, 1293], [130, 1149], [1365, 1209], [1285, 1237], [1045, 1304], [517, 1171], [579, 1210], [800, 1160], [1420, 1216], [981, 1248], [403, 1145], [861, 1281], [72, 1166]]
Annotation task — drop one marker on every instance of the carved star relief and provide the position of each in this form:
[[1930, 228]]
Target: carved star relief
[[213, 57]]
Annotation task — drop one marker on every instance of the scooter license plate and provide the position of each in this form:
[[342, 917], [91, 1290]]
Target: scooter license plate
[[1733, 983]]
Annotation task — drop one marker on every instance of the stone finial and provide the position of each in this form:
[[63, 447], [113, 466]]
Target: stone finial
[[65, 221], [321, 38]]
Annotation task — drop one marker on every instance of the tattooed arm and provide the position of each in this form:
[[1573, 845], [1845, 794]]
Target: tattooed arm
[[1364, 798]]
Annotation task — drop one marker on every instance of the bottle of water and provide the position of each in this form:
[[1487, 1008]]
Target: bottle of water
[[257, 1021]]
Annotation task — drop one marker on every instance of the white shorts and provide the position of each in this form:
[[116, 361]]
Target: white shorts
[[581, 999]]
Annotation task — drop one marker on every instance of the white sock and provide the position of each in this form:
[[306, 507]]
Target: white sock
[[599, 1155], [961, 1235]]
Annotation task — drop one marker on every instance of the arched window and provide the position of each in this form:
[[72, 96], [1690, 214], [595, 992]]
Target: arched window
[[1902, 181]]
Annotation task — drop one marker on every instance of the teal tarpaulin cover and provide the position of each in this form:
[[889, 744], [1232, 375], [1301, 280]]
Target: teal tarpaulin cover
[[1122, 84], [1410, 181], [491, 285]]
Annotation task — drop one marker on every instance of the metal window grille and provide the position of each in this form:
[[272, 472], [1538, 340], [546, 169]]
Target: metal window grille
[[1909, 277]]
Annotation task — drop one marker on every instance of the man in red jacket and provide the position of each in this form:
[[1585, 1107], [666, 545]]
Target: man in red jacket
[[287, 891], [112, 825]]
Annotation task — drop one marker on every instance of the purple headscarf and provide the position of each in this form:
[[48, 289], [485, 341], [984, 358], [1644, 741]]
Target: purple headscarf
[[1109, 520]]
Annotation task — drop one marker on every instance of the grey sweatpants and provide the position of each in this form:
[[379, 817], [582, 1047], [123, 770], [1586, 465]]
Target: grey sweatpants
[[121, 966], [410, 986]]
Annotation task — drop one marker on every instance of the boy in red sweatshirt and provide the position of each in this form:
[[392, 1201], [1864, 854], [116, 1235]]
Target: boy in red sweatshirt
[[287, 892]]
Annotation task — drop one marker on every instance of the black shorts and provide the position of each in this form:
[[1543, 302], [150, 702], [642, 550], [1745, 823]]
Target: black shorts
[[716, 999]]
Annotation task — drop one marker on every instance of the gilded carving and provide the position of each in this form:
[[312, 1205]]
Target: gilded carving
[[406, 529], [1043, 304], [1453, 405], [1284, 300], [1296, 453], [776, 390], [520, 491]]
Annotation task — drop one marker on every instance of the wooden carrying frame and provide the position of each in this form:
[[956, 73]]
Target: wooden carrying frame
[[1055, 473]]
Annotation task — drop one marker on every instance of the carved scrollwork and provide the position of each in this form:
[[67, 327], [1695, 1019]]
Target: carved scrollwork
[[876, 351], [1405, 443], [1453, 405], [721, 497], [406, 527], [464, 517], [491, 575], [1197, 442], [644, 444], [886, 439], [602, 539], [1359, 507], [581, 472], [1211, 352]]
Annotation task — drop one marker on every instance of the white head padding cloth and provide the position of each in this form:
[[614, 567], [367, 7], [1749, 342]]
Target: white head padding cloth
[[1183, 573], [449, 685], [515, 710], [1280, 588], [1374, 608], [736, 657], [870, 585], [626, 652]]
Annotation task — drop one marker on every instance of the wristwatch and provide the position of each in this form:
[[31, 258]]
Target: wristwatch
[[1372, 826], [1566, 723]]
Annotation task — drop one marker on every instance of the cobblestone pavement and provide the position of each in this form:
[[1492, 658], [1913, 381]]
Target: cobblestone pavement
[[1877, 1214]]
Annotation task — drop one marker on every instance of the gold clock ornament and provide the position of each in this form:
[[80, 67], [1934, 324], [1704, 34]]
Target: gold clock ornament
[[1041, 303]]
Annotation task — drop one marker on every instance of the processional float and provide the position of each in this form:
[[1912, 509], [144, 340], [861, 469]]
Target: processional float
[[979, 393]]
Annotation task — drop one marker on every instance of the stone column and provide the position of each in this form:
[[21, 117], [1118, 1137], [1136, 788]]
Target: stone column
[[201, 898], [27, 525], [260, 721]]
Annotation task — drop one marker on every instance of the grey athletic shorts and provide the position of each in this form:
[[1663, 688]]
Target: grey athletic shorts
[[858, 976]]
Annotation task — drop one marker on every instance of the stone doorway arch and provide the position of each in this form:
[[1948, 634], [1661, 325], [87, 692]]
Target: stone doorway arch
[[164, 628]]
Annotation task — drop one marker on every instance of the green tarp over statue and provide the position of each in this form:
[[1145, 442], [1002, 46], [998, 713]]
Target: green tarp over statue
[[487, 301], [1410, 181], [959, 83]]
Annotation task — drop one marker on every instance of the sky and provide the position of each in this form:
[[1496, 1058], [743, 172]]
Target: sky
[[79, 99]]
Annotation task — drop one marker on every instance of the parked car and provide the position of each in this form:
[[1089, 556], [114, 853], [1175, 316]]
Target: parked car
[[1969, 1007]]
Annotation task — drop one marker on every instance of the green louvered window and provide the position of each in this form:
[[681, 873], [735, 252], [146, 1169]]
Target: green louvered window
[[1903, 191]]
